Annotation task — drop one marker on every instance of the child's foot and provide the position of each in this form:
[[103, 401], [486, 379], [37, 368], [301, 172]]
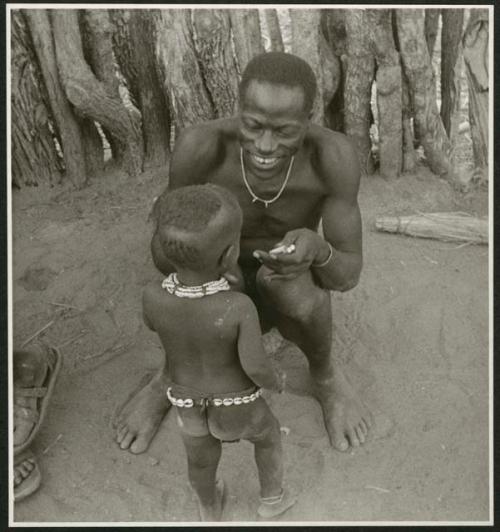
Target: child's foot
[[138, 419], [274, 506], [214, 513]]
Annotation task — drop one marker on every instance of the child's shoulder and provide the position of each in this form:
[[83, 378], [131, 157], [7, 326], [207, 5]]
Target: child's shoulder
[[240, 303], [152, 291]]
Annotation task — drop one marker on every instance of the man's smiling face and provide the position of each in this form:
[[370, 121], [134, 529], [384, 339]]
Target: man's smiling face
[[272, 126]]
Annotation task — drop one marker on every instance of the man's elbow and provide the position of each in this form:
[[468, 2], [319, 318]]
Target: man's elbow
[[349, 284]]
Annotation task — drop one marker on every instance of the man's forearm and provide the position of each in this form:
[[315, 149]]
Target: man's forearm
[[341, 272]]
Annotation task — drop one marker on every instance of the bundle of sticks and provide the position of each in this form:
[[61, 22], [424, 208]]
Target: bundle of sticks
[[445, 226]]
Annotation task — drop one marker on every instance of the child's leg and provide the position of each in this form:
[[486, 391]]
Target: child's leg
[[203, 455]]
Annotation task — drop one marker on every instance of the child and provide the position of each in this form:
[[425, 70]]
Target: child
[[214, 353]]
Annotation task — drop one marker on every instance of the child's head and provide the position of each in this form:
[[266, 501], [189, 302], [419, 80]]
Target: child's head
[[199, 227]]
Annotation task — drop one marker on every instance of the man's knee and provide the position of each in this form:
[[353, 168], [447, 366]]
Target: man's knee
[[297, 298]]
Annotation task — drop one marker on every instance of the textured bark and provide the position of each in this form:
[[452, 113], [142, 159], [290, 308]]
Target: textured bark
[[151, 99], [451, 51], [90, 96], [358, 82], [246, 35], [431, 28], [418, 69], [409, 155], [123, 49], [333, 27], [309, 43], [273, 29], [180, 72], [475, 46], [34, 158], [212, 40], [69, 133], [389, 92]]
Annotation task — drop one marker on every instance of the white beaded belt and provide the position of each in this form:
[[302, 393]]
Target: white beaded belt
[[215, 401]]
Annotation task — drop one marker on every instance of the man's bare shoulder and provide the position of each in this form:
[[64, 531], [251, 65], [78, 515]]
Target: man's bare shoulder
[[334, 157]]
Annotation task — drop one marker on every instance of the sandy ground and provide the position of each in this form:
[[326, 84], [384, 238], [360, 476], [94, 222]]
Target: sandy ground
[[413, 335]]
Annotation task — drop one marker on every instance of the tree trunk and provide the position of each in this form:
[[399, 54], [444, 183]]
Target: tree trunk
[[357, 86], [69, 133], [151, 99], [475, 46], [34, 158], [273, 29], [246, 35], [213, 47], [418, 69], [409, 155], [451, 38], [431, 28], [309, 43], [389, 92], [180, 71], [123, 49], [90, 96], [333, 27]]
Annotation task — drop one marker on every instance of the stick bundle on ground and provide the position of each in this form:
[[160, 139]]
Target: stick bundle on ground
[[445, 226]]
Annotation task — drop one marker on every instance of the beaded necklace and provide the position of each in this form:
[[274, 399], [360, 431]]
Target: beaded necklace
[[173, 286]]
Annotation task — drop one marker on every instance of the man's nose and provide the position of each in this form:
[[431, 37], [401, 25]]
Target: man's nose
[[266, 144]]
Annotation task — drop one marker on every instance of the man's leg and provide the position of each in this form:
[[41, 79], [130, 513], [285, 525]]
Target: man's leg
[[203, 455], [302, 312], [138, 420]]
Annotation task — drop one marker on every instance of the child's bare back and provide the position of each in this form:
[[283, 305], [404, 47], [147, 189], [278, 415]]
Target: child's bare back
[[200, 337]]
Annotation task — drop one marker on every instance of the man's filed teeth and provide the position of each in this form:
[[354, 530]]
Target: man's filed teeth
[[263, 160]]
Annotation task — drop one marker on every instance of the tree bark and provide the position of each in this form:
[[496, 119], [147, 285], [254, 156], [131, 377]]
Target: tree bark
[[418, 69], [431, 28], [90, 96], [273, 29], [124, 50], [357, 86], [180, 72], [151, 99], [69, 133], [333, 27], [309, 43], [213, 48], [475, 46], [409, 155], [34, 158], [246, 35], [389, 92], [451, 38]]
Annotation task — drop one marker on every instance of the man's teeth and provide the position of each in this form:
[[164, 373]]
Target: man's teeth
[[264, 160]]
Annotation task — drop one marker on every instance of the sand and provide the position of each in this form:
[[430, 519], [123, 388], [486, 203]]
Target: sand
[[413, 336]]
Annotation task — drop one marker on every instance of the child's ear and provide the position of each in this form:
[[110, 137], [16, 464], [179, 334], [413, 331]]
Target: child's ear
[[224, 260]]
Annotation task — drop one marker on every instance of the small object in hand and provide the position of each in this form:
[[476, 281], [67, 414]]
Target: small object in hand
[[280, 250]]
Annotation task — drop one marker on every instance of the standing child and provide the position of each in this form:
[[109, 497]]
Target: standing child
[[214, 354]]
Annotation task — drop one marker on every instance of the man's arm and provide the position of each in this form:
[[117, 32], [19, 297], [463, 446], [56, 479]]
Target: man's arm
[[341, 220], [253, 358]]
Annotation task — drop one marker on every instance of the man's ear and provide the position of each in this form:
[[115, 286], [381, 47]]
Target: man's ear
[[224, 259]]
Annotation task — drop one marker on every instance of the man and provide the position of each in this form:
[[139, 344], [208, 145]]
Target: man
[[288, 175]]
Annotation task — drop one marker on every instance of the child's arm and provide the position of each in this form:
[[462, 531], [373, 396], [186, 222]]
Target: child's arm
[[253, 358]]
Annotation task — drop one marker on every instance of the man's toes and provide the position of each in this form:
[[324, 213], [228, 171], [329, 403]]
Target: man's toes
[[364, 427], [353, 439], [339, 442], [127, 440], [139, 445], [360, 434], [121, 433]]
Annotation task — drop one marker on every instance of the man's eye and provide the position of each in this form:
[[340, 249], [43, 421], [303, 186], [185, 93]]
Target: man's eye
[[252, 125]]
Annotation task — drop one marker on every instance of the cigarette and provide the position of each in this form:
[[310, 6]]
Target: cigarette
[[283, 249]]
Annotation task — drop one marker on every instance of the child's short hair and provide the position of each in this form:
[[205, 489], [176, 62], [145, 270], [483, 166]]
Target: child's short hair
[[281, 68], [191, 209]]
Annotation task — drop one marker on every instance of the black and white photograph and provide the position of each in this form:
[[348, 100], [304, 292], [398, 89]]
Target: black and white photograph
[[249, 257]]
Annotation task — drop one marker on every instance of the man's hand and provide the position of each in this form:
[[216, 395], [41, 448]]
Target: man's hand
[[309, 248]]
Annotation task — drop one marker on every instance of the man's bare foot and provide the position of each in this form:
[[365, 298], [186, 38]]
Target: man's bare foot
[[27, 476], [214, 513], [137, 421], [347, 419]]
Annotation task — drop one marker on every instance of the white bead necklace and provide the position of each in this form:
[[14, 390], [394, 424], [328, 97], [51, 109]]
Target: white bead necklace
[[252, 193], [173, 286]]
